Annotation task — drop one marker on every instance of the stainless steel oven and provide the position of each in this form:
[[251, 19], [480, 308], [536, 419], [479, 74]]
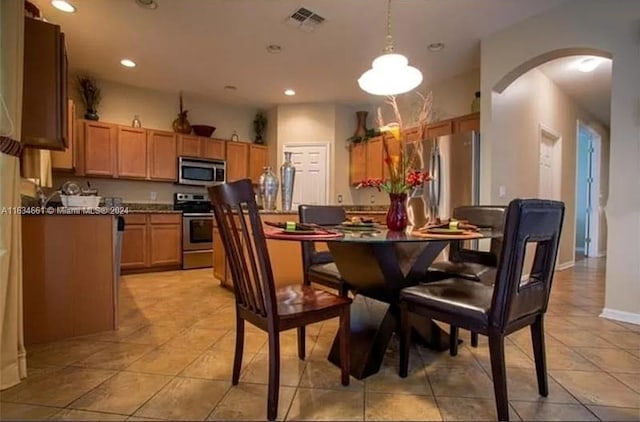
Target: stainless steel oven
[[197, 240], [201, 172], [197, 229]]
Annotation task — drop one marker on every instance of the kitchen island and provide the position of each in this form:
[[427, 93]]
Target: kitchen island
[[69, 279]]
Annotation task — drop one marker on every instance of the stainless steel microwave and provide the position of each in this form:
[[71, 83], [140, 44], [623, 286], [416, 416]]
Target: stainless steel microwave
[[201, 171]]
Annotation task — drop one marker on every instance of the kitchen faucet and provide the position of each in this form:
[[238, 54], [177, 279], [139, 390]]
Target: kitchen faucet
[[43, 198]]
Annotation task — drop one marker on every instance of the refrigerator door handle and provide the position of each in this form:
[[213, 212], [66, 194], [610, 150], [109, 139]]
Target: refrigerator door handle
[[438, 176]]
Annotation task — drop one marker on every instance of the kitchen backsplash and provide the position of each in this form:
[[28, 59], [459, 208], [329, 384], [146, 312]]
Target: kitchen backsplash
[[131, 191]]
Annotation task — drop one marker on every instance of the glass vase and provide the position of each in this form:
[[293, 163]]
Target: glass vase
[[287, 177], [268, 188], [397, 218]]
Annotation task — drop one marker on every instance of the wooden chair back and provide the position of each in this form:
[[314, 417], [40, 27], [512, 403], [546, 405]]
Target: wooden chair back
[[323, 215], [528, 221], [483, 216], [245, 246]]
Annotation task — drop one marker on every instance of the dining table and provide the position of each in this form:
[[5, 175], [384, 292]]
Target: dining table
[[376, 264]]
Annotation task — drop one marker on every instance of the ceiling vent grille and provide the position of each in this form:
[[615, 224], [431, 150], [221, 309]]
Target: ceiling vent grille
[[304, 19]]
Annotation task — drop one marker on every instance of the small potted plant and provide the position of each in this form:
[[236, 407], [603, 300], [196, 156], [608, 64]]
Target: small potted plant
[[259, 126], [91, 96]]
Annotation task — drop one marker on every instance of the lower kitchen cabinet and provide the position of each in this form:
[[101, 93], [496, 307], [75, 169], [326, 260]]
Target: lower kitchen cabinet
[[152, 242], [134, 242], [165, 240]]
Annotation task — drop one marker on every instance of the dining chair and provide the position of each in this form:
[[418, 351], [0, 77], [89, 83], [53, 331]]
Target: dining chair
[[510, 305], [471, 264], [318, 266], [257, 299]]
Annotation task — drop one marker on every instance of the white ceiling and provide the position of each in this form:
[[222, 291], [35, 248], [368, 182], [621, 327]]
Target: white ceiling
[[591, 90], [199, 46]]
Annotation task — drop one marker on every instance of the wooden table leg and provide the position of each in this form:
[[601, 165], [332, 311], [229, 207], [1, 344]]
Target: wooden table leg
[[372, 325]]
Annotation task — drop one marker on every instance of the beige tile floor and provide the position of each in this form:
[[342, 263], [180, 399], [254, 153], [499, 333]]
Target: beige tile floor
[[172, 356]]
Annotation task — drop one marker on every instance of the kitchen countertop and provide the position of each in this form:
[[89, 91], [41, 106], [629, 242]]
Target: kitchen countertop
[[167, 208]]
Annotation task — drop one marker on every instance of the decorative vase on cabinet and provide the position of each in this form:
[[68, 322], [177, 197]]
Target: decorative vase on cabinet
[[361, 128], [287, 176], [268, 188]]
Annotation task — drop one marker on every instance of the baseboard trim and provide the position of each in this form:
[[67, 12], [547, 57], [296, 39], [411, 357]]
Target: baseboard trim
[[630, 317], [565, 265], [601, 254]]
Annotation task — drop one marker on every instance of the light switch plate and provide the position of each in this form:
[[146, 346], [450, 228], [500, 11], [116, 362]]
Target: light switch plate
[[502, 191], [153, 196]]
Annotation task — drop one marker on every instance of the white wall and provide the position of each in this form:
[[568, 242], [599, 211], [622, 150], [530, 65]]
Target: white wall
[[157, 110], [599, 25], [534, 100]]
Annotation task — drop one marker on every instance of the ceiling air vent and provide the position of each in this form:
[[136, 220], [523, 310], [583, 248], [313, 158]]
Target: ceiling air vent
[[304, 19]]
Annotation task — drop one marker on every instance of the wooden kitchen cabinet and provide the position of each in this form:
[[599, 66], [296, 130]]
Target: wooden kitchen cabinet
[[97, 149], [435, 130], [162, 150], [165, 240], [258, 159], [468, 123], [132, 153], [190, 146], [66, 160], [214, 149], [152, 241], [237, 161], [358, 163], [374, 158], [44, 87], [68, 280], [134, 242]]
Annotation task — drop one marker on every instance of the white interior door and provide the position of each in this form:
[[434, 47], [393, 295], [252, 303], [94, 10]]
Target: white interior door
[[550, 174], [312, 170]]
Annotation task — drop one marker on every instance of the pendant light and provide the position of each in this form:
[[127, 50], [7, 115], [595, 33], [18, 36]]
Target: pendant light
[[390, 73]]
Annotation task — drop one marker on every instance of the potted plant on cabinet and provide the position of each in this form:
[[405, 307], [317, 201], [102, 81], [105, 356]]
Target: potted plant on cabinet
[[259, 126], [91, 96]]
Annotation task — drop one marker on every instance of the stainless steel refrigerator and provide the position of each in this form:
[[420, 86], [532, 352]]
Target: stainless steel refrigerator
[[454, 163]]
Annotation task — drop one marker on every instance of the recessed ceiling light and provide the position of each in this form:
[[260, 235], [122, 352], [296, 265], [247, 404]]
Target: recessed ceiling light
[[274, 48], [230, 88], [289, 92], [589, 64], [435, 47], [127, 63], [63, 6], [147, 4]]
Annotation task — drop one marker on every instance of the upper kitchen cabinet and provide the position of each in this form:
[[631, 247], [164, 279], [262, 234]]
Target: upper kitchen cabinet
[[97, 149], [237, 160], [44, 91], [132, 153], [162, 155], [200, 147], [214, 149], [66, 160], [435, 130], [190, 146], [258, 159], [468, 123], [374, 158], [358, 163]]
